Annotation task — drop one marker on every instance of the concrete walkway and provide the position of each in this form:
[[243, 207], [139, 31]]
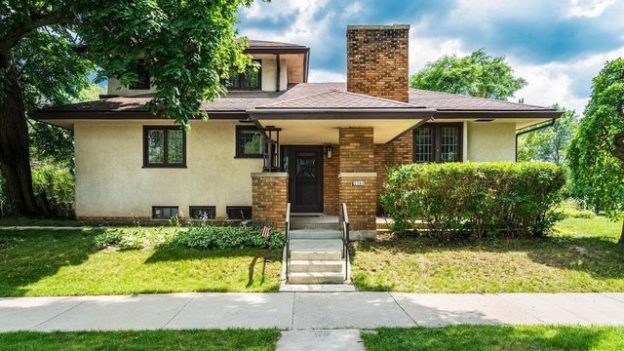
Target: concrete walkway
[[296, 311]]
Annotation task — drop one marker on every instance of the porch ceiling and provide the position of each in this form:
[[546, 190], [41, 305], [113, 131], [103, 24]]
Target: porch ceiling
[[317, 132]]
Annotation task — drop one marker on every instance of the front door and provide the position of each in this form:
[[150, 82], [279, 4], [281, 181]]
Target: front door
[[305, 177]]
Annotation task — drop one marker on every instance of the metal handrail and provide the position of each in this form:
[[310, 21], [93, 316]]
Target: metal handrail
[[286, 233], [345, 226]]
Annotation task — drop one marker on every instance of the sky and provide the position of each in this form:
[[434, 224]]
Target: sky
[[558, 46]]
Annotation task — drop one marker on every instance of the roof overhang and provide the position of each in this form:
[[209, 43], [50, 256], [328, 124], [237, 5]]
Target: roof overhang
[[502, 114], [340, 114]]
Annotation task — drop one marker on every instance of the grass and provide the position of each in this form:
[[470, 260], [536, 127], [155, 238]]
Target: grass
[[497, 338], [581, 257], [53, 263], [232, 339]]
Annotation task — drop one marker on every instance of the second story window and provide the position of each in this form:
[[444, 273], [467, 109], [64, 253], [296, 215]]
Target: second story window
[[144, 78], [251, 79]]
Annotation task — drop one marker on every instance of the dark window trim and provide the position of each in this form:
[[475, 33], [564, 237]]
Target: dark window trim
[[144, 82], [437, 141], [146, 164], [212, 208], [241, 76], [155, 207], [228, 208], [237, 152]]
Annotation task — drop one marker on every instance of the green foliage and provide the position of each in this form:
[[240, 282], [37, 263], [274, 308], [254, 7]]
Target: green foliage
[[549, 144], [477, 74], [215, 237], [5, 205], [205, 237], [597, 173], [56, 185], [475, 198]]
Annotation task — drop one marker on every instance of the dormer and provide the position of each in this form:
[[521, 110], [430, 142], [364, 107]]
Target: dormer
[[290, 60]]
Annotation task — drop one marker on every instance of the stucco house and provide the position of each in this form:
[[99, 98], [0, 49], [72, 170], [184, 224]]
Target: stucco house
[[275, 138]]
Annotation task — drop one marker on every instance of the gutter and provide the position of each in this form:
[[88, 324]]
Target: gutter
[[533, 129]]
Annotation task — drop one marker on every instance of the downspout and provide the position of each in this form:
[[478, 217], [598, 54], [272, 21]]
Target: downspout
[[533, 129]]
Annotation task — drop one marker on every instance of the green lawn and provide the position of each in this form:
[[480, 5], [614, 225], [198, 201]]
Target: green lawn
[[582, 257], [496, 338], [221, 340], [45, 263]]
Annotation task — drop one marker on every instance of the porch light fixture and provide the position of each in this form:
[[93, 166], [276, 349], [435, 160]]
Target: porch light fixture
[[329, 150]]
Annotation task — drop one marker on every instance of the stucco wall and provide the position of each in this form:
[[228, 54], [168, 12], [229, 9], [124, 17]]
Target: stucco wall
[[269, 67], [491, 141], [110, 180]]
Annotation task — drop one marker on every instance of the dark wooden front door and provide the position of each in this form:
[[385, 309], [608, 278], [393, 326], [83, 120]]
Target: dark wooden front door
[[305, 177]]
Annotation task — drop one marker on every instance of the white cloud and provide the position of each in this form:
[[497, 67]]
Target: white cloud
[[588, 8], [323, 76], [554, 82], [424, 49]]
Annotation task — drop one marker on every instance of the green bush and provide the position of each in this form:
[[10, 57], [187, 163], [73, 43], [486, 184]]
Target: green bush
[[220, 237], [505, 198], [56, 185]]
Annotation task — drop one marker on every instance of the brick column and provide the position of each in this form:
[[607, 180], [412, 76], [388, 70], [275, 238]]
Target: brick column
[[269, 197], [357, 179]]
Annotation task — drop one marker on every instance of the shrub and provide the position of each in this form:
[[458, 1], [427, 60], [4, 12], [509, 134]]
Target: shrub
[[475, 198], [220, 237], [56, 185]]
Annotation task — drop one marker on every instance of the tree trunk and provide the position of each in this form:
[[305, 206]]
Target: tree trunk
[[14, 152], [618, 147], [621, 241]]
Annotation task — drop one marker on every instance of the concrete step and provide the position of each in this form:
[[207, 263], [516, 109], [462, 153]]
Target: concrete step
[[308, 249], [294, 225], [315, 234], [315, 278], [330, 266]]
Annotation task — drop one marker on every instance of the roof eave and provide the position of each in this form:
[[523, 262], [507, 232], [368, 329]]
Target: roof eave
[[450, 114], [337, 113]]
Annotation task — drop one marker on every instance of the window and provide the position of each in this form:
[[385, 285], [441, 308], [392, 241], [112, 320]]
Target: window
[[251, 79], [164, 212], [438, 142], [164, 146], [238, 212], [202, 212], [143, 82], [249, 142]]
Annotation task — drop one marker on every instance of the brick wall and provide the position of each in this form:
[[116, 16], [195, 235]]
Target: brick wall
[[357, 151], [398, 152], [357, 180], [330, 182], [269, 198], [377, 61]]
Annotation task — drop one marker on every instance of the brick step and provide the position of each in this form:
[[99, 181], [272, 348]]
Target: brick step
[[315, 234], [329, 266], [315, 278]]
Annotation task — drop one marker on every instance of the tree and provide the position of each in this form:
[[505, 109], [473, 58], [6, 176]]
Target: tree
[[477, 74], [596, 155], [549, 144], [48, 48]]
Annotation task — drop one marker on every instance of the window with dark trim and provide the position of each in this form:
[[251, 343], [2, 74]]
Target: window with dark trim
[[238, 212], [251, 79], [164, 146], [164, 212], [250, 142], [202, 212], [143, 83], [438, 142]]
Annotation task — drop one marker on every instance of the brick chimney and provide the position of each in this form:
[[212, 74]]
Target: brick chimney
[[377, 60]]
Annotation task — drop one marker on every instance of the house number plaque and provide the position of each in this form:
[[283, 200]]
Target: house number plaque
[[358, 183]]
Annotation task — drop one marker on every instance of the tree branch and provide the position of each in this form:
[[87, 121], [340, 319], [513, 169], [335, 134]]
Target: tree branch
[[20, 29]]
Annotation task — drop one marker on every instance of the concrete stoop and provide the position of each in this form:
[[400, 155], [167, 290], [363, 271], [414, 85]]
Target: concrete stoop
[[316, 257], [321, 340]]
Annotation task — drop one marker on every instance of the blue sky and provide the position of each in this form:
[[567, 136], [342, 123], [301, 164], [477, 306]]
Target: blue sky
[[556, 45]]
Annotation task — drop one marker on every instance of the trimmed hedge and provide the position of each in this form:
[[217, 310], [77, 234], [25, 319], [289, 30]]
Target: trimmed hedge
[[504, 198]]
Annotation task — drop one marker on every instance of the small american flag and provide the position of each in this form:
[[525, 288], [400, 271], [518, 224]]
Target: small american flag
[[265, 228]]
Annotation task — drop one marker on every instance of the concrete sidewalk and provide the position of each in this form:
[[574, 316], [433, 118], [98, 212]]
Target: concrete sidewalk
[[294, 311]]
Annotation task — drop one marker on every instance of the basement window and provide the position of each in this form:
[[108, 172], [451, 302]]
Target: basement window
[[202, 212], [238, 212], [164, 212]]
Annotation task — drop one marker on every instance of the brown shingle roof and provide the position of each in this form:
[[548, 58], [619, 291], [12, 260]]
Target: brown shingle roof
[[454, 102], [334, 99], [271, 44]]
